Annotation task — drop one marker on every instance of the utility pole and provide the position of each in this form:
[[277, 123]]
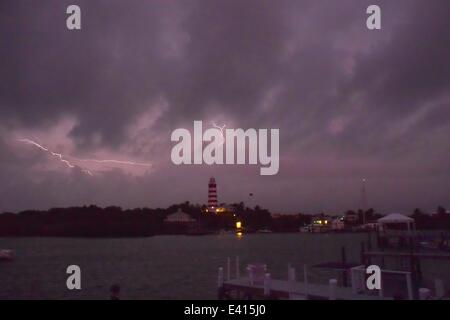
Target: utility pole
[[364, 200]]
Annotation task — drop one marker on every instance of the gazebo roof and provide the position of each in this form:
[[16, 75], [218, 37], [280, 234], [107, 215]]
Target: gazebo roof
[[396, 218], [179, 216]]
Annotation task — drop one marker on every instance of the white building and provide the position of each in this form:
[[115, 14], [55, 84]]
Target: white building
[[399, 219], [179, 217]]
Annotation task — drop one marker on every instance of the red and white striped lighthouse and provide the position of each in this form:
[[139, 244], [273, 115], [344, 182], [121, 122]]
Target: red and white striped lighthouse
[[212, 193]]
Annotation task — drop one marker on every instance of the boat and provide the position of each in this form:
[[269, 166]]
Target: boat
[[306, 229], [6, 255]]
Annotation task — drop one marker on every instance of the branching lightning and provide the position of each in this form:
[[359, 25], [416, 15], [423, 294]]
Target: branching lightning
[[58, 155], [64, 159], [221, 128], [130, 163]]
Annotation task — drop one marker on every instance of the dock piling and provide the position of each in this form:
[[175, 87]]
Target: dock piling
[[305, 279], [228, 268], [424, 293], [344, 262], [238, 271], [439, 288], [363, 257], [369, 241], [250, 275], [267, 284], [332, 289], [220, 278], [291, 274], [409, 286], [357, 279]]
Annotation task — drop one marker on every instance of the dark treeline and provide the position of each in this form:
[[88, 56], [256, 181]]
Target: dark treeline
[[93, 221]]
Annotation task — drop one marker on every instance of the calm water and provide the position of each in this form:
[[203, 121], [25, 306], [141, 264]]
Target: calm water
[[162, 267]]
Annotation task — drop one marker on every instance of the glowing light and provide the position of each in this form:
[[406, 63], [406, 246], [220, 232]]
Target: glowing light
[[238, 225], [220, 210], [239, 234]]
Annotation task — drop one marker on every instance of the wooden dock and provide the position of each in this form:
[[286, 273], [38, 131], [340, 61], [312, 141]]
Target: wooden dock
[[284, 289], [258, 283]]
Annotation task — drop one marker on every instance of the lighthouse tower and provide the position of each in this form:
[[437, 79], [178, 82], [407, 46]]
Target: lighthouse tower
[[212, 194]]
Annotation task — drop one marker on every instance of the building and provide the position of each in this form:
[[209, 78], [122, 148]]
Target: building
[[320, 223], [396, 231], [179, 217]]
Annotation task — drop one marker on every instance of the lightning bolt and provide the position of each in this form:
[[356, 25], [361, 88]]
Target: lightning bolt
[[69, 164], [221, 128], [58, 155], [130, 163]]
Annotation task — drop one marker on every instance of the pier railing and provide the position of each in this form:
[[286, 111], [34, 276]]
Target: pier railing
[[358, 281], [258, 282]]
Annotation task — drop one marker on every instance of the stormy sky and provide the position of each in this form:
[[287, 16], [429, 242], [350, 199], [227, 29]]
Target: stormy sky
[[350, 103]]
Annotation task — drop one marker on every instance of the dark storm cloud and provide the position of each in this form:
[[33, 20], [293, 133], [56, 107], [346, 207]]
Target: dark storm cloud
[[232, 56], [410, 73], [108, 71], [348, 101], [412, 67]]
